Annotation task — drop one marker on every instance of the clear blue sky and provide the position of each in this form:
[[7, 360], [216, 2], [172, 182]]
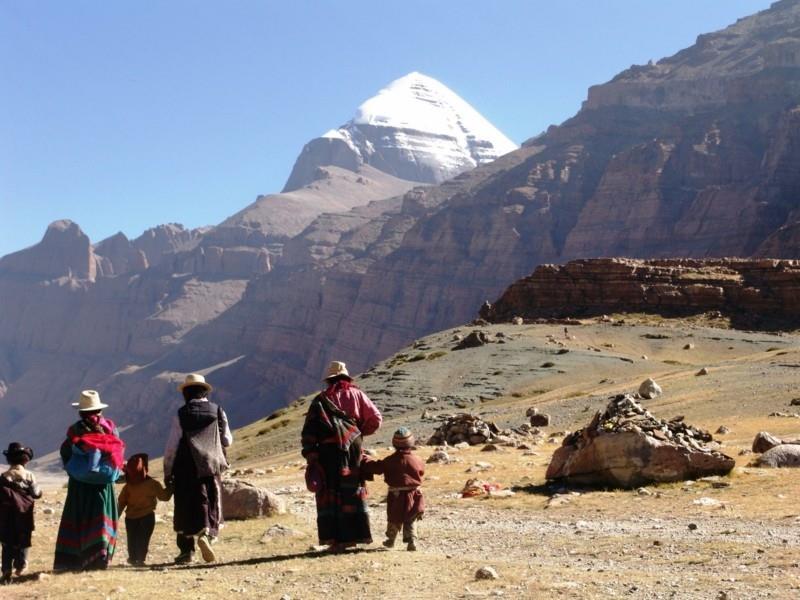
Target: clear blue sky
[[123, 115]]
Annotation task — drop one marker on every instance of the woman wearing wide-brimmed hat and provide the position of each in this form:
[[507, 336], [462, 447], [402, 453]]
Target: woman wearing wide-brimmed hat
[[336, 421], [194, 461], [93, 455]]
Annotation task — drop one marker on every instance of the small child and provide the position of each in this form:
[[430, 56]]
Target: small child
[[18, 490], [402, 471], [139, 496]]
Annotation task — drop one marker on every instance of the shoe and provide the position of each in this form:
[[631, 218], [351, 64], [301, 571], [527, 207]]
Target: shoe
[[205, 548], [389, 542], [22, 569], [412, 547], [184, 558]]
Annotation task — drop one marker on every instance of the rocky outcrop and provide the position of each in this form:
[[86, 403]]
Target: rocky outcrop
[[752, 292], [65, 251], [782, 456], [626, 446]]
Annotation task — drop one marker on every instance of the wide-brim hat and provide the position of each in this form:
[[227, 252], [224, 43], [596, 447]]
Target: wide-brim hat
[[195, 379], [335, 369], [17, 449], [90, 400], [403, 438]]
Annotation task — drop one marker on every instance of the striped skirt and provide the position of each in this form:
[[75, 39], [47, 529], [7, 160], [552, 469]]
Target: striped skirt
[[87, 536]]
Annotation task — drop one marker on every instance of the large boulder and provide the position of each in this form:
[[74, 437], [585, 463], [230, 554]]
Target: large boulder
[[625, 446], [243, 500], [649, 389], [785, 455], [764, 441]]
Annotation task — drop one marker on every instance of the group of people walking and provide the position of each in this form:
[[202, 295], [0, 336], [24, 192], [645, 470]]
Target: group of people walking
[[195, 458]]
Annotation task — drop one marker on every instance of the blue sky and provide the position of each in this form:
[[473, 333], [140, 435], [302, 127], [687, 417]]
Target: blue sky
[[123, 115]]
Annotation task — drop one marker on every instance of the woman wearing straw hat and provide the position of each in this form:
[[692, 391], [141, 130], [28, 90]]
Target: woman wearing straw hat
[[194, 461], [332, 435], [93, 455]]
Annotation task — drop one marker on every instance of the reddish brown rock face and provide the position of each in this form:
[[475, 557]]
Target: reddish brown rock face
[[753, 292]]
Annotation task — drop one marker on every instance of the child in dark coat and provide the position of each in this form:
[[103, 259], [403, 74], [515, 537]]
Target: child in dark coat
[[402, 471], [18, 490], [139, 497]]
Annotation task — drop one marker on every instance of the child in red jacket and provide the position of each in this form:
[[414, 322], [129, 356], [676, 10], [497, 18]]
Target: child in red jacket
[[402, 471]]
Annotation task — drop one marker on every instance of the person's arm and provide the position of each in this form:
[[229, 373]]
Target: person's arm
[[371, 418], [171, 448], [224, 430], [35, 491], [122, 501], [162, 493], [371, 467], [309, 437]]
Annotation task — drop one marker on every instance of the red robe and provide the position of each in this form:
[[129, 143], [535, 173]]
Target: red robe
[[403, 469]]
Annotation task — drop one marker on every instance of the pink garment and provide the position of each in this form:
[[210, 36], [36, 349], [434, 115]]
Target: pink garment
[[355, 403]]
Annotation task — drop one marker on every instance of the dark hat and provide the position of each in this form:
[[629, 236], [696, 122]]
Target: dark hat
[[403, 438], [17, 450]]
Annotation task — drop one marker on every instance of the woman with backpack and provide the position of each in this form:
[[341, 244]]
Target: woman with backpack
[[93, 456]]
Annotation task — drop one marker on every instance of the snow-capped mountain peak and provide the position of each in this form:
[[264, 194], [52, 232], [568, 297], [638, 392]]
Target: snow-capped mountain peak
[[415, 128]]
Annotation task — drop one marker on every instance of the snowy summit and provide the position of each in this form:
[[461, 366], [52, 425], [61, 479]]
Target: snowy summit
[[416, 128]]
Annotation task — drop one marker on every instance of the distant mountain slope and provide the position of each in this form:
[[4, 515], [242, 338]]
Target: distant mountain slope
[[415, 128]]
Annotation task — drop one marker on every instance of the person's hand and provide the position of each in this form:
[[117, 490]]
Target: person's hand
[[312, 457]]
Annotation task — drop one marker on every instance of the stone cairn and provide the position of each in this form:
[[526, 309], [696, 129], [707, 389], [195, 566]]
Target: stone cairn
[[624, 413], [472, 430]]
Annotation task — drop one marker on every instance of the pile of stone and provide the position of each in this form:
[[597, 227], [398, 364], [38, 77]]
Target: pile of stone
[[471, 429], [627, 446]]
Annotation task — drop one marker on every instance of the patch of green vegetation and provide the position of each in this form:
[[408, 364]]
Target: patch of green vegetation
[[782, 353], [773, 349], [673, 362], [436, 354], [273, 426], [416, 357], [548, 365], [575, 395]]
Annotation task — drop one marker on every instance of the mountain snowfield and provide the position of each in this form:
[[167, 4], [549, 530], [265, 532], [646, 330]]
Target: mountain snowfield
[[416, 128]]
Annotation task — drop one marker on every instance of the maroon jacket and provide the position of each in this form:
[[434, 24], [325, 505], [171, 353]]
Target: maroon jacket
[[403, 469]]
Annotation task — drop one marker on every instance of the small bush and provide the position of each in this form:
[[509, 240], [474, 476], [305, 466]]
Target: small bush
[[436, 354]]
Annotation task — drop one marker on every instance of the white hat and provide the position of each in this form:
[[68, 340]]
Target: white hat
[[195, 379], [90, 400], [336, 368]]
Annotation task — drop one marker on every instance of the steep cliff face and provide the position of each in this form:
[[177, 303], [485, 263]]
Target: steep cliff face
[[753, 293]]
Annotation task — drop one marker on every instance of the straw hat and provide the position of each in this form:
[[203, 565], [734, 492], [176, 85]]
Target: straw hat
[[403, 438], [335, 369], [195, 379], [90, 400]]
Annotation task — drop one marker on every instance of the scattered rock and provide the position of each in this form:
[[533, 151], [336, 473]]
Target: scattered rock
[[278, 530], [486, 573], [701, 372], [689, 347], [706, 501], [626, 446], [692, 526], [243, 500], [537, 419], [463, 427], [517, 321], [649, 389], [783, 456], [784, 415], [439, 457], [548, 365], [475, 339], [48, 511], [794, 402], [42, 576], [490, 448], [764, 441], [722, 430]]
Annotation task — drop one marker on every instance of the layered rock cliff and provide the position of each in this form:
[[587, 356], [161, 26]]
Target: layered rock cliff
[[753, 293]]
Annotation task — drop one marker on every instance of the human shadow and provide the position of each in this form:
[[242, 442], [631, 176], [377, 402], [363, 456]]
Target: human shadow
[[275, 558]]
